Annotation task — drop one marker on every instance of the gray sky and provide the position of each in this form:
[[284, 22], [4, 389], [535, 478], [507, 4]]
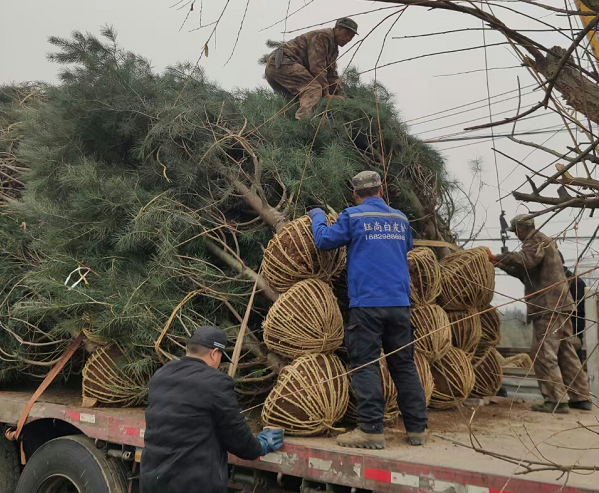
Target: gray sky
[[152, 28]]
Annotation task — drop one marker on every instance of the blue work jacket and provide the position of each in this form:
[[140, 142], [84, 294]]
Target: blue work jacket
[[378, 239]]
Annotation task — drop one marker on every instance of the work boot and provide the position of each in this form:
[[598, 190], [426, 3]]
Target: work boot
[[551, 407], [416, 438], [359, 439], [584, 405]]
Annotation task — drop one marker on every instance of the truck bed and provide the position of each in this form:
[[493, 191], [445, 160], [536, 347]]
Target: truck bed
[[447, 464]]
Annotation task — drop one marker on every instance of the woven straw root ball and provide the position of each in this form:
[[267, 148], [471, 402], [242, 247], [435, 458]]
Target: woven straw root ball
[[311, 395], [291, 256], [425, 276], [491, 329], [467, 280], [426, 377], [465, 330], [488, 374], [521, 360], [389, 392], [431, 331], [105, 382], [305, 319], [454, 379]]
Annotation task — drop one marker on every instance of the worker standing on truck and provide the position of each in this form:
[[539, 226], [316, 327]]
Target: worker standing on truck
[[549, 306], [307, 65], [193, 420], [378, 239]]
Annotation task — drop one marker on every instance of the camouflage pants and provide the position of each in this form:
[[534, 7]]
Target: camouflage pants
[[557, 367], [293, 79]]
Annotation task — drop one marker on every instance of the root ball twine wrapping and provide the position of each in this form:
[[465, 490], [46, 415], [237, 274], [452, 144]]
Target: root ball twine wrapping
[[465, 330], [454, 379], [105, 381], [521, 360], [307, 399], [426, 377], [491, 329], [425, 276], [291, 255], [431, 331], [305, 319], [488, 374], [467, 280]]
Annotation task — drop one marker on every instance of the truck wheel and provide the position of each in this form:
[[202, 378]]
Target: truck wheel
[[72, 465], [9, 466]]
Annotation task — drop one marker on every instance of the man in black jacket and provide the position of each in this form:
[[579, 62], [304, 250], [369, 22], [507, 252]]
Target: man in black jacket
[[577, 287], [193, 420]]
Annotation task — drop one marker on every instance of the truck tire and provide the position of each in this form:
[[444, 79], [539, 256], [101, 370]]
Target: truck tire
[[9, 466], [72, 464]]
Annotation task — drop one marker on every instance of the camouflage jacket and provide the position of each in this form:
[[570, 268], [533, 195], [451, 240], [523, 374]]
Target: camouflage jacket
[[317, 52], [538, 265]]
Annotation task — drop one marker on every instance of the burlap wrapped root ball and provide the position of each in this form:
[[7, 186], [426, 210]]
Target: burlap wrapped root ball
[[311, 395], [291, 255], [490, 328], [305, 319], [465, 330], [106, 382], [488, 374], [426, 377], [432, 331], [454, 379], [389, 392], [425, 276], [467, 280]]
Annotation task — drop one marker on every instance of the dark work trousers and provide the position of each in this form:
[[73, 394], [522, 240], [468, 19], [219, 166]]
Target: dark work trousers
[[369, 330]]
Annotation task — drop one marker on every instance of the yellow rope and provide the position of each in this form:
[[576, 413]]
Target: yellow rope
[[426, 377], [488, 374], [454, 379], [466, 330], [311, 395], [292, 256], [305, 319], [491, 330], [521, 360], [432, 331], [425, 276]]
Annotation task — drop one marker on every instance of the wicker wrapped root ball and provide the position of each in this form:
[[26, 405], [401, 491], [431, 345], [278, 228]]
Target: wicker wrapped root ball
[[491, 329], [105, 382], [488, 374], [521, 360], [465, 330], [305, 319], [291, 256], [311, 395], [425, 276], [454, 379], [426, 377], [431, 331], [389, 392], [467, 280]]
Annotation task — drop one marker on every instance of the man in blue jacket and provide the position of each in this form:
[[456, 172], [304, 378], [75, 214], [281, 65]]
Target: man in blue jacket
[[378, 239]]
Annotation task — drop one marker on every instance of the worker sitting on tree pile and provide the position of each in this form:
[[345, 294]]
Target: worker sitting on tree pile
[[307, 65], [193, 420], [549, 306], [378, 239]]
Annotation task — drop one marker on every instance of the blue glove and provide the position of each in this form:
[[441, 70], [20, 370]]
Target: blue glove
[[314, 212], [271, 439]]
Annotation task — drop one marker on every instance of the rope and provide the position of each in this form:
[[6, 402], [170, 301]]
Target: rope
[[466, 330], [432, 331], [291, 255], [490, 329], [454, 379], [305, 319], [488, 374], [311, 395], [425, 276], [426, 376]]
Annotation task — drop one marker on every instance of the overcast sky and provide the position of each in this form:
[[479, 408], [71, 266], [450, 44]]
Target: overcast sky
[[154, 29]]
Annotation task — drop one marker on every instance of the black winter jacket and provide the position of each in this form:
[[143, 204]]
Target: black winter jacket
[[192, 421]]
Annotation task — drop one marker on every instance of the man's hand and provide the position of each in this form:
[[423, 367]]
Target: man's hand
[[271, 439], [335, 96], [491, 256], [315, 212]]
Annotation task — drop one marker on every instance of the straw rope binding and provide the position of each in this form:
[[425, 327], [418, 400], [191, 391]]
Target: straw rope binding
[[465, 330], [454, 379], [467, 280], [521, 360], [106, 382], [425, 276], [426, 377], [490, 329], [291, 256], [311, 395], [431, 331], [488, 374], [305, 319]]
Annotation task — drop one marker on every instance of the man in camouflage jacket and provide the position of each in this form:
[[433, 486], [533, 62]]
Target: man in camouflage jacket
[[306, 66], [549, 305]]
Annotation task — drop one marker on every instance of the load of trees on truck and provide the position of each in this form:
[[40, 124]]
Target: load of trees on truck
[[138, 206]]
